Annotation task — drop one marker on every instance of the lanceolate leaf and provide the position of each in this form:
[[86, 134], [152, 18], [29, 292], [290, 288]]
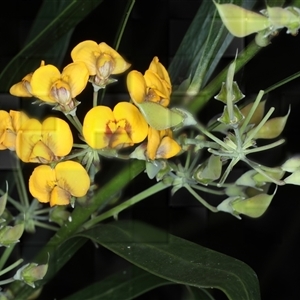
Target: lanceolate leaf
[[125, 285], [176, 259], [57, 19]]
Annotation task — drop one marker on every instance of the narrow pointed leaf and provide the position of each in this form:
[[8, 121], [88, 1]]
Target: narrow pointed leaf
[[176, 259], [125, 285]]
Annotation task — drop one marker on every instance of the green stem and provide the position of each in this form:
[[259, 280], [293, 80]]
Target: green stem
[[5, 255], [79, 216], [21, 184], [135, 199], [46, 226], [6, 281], [212, 88], [12, 266], [123, 23], [15, 203], [211, 136], [72, 121], [200, 199], [95, 98], [264, 148], [78, 123]]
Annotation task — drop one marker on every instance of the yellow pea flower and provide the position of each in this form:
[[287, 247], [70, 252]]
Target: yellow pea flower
[[161, 144], [122, 127], [101, 61], [154, 85], [44, 142], [57, 185], [10, 124], [23, 88], [49, 85]]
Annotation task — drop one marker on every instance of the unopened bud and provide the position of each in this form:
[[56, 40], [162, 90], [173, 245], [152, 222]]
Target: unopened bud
[[10, 235], [31, 273], [59, 214]]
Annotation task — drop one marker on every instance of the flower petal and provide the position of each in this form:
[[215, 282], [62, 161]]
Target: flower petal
[[72, 177], [42, 182], [120, 64], [57, 135], [136, 86], [22, 88], [76, 75], [160, 70], [95, 126], [136, 125], [42, 81], [27, 137], [153, 142], [87, 52], [167, 148], [59, 196]]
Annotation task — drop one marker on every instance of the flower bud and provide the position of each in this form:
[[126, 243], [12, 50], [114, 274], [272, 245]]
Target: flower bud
[[208, 171], [293, 178], [292, 164], [31, 273], [253, 207], [10, 235], [59, 215]]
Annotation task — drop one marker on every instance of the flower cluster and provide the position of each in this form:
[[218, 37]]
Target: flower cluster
[[64, 171]]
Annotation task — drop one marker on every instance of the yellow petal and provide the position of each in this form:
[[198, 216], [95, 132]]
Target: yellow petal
[[87, 52], [136, 126], [120, 65], [59, 196], [120, 139], [77, 75], [57, 135], [5, 123], [40, 152], [27, 137], [95, 126], [136, 86], [72, 177], [153, 142], [42, 182], [167, 148], [161, 71], [22, 88], [154, 82], [42, 81], [18, 119]]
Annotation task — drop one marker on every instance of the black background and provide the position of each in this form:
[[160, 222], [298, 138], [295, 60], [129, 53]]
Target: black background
[[268, 244]]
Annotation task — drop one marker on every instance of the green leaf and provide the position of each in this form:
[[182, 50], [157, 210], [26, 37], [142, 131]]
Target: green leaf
[[124, 285], [48, 39], [176, 259], [198, 294]]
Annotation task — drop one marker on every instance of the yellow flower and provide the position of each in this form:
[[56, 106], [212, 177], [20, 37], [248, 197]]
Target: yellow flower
[[57, 185], [23, 88], [44, 142], [153, 86], [100, 59], [161, 144], [49, 85], [122, 127], [10, 123]]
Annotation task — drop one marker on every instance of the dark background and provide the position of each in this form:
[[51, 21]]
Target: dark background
[[268, 244]]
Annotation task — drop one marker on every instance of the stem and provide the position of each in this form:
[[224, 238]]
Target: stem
[[22, 188], [6, 281], [72, 121], [5, 255], [207, 190], [46, 226], [266, 147], [15, 203], [12, 266], [95, 98], [201, 200], [78, 123], [211, 136], [121, 29], [212, 88], [259, 126], [252, 111], [135, 199], [79, 216]]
